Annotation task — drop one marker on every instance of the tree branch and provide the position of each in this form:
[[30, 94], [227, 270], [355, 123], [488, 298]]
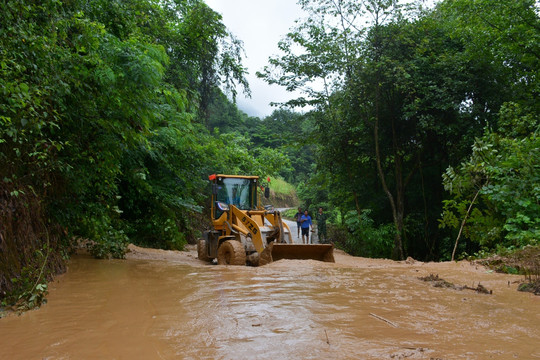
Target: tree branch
[[464, 221]]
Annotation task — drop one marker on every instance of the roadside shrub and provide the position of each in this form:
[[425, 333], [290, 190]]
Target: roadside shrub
[[361, 237], [31, 248], [30, 287], [158, 232], [338, 235], [289, 213], [113, 244], [367, 239]]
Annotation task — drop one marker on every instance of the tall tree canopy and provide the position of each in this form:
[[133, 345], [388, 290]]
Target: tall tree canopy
[[102, 126], [404, 92]]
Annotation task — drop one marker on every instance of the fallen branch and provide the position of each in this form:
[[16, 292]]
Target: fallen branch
[[383, 319], [479, 289]]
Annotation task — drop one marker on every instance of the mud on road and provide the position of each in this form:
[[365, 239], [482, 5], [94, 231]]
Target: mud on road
[[168, 305]]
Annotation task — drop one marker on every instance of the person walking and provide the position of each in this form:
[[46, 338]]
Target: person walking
[[321, 225], [297, 217], [306, 224]]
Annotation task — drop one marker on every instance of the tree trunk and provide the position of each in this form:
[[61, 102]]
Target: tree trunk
[[397, 211], [400, 196], [464, 221]]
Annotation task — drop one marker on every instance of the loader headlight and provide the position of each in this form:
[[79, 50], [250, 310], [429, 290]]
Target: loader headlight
[[222, 206]]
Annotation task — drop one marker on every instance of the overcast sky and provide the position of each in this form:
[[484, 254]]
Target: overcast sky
[[260, 24]]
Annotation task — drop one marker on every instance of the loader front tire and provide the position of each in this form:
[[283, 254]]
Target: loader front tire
[[202, 254], [231, 252]]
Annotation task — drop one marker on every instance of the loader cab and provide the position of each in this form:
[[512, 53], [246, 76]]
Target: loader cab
[[240, 191]]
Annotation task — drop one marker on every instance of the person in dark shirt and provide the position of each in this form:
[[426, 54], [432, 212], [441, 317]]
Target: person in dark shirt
[[321, 225], [297, 217]]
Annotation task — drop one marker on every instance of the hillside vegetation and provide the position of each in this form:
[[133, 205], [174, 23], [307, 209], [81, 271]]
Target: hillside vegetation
[[282, 194]]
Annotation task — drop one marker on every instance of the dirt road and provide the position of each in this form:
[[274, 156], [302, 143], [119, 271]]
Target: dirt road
[[169, 305]]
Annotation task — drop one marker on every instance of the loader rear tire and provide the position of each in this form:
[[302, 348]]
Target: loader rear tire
[[201, 250], [231, 252]]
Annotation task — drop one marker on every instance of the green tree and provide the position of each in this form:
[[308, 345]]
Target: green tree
[[404, 95], [505, 38], [290, 133], [496, 200], [204, 54], [501, 39], [97, 126], [224, 115]]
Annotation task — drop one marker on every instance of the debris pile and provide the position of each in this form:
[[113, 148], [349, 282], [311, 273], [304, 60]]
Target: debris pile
[[438, 282]]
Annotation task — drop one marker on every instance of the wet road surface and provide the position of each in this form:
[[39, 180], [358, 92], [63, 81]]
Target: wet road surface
[[168, 305]]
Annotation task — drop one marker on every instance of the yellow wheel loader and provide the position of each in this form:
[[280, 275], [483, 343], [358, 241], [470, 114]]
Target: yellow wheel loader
[[246, 233]]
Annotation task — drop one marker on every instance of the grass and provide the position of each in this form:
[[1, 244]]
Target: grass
[[289, 213], [282, 194], [280, 186]]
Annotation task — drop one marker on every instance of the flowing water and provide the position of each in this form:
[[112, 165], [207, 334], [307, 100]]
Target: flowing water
[[167, 305]]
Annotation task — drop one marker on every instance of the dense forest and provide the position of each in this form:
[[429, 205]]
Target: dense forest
[[426, 122], [417, 130]]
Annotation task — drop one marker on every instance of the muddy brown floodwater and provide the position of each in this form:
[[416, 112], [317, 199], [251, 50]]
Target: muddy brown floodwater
[[168, 305]]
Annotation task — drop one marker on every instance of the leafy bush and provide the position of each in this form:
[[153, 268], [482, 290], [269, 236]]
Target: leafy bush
[[30, 287], [112, 244], [289, 213], [496, 197], [367, 239]]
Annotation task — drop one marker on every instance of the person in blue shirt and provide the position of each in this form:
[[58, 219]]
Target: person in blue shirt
[[306, 224]]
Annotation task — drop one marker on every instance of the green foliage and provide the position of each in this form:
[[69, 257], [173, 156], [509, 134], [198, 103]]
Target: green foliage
[[503, 168], [366, 239], [272, 161], [501, 41], [30, 286], [204, 54], [289, 213], [110, 243], [314, 194], [404, 96], [502, 38], [277, 141], [233, 153], [32, 298], [226, 117], [106, 106], [380, 76], [97, 115]]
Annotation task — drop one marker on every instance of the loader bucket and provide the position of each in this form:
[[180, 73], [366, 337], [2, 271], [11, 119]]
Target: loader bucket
[[321, 252]]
